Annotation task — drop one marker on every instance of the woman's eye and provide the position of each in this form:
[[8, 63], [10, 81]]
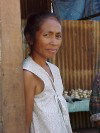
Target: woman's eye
[[46, 35], [58, 36]]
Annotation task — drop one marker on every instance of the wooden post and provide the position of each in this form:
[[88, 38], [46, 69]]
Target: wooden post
[[0, 82], [12, 113]]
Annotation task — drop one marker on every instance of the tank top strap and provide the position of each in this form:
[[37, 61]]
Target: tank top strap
[[30, 65]]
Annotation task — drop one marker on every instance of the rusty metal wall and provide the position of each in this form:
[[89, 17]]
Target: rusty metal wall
[[79, 54], [97, 44]]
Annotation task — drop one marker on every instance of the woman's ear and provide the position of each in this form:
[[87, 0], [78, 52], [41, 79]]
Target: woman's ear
[[28, 39]]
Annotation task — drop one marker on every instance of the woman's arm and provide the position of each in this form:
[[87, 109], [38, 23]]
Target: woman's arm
[[29, 87]]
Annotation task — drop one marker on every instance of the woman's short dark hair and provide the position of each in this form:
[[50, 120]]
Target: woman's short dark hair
[[34, 22]]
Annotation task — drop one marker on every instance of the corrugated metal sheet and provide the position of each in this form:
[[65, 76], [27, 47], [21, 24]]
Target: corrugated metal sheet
[[97, 44], [79, 53]]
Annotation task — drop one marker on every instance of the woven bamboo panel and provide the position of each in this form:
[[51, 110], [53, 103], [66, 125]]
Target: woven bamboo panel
[[79, 54]]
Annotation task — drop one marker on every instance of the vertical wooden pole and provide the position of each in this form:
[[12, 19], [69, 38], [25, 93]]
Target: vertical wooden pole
[[11, 85], [0, 80]]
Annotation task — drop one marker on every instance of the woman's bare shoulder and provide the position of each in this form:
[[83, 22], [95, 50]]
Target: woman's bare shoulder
[[30, 78], [30, 75]]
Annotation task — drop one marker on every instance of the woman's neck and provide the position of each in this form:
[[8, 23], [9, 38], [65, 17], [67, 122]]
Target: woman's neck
[[39, 59]]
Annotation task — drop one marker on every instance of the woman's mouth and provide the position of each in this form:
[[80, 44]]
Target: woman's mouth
[[52, 50]]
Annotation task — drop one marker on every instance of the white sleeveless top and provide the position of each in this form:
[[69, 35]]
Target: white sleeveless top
[[50, 114]]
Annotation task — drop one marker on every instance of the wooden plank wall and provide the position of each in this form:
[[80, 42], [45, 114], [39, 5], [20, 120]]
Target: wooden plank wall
[[80, 120], [29, 6], [79, 54]]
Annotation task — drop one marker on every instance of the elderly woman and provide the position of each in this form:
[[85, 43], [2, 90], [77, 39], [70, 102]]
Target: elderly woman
[[46, 110], [95, 101]]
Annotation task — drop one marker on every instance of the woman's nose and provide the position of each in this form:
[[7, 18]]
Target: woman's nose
[[54, 41]]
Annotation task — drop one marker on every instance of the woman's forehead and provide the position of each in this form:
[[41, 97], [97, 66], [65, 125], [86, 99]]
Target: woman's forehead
[[51, 25]]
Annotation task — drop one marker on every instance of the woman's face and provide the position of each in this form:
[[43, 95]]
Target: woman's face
[[48, 38]]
